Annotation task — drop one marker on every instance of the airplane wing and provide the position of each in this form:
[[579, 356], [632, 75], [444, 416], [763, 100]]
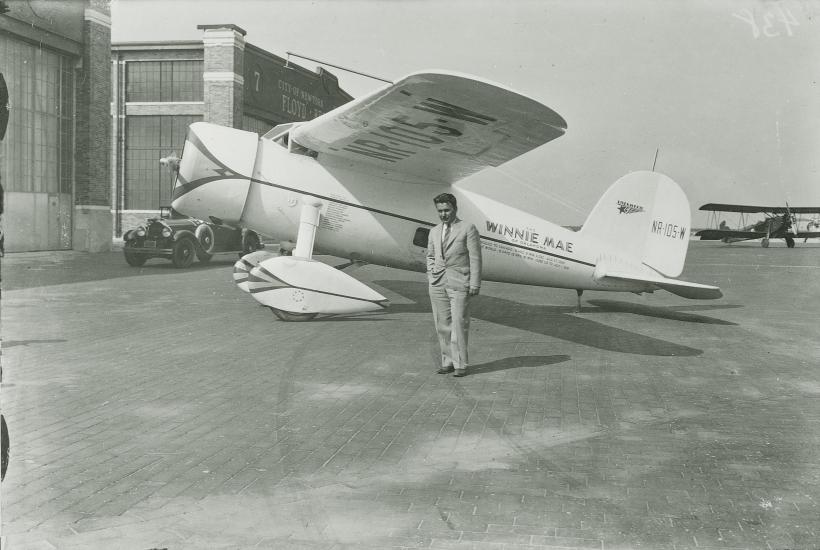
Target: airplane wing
[[718, 234], [433, 126], [715, 207]]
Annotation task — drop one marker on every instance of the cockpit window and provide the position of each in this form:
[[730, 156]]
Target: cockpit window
[[278, 130], [281, 135], [283, 139], [297, 149]]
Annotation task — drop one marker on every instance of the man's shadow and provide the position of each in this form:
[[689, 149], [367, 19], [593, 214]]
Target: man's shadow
[[558, 321]]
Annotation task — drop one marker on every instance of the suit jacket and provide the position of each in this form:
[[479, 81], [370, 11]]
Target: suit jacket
[[455, 264]]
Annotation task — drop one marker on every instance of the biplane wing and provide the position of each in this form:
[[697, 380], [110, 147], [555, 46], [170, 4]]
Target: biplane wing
[[718, 234], [432, 127], [746, 209]]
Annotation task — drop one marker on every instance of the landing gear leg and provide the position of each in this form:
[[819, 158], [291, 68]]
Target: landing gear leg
[[308, 222], [579, 291]]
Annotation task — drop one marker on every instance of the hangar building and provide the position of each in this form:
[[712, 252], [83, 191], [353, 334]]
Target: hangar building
[[55, 157]]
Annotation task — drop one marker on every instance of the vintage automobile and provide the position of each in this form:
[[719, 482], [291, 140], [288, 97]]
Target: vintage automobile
[[181, 240]]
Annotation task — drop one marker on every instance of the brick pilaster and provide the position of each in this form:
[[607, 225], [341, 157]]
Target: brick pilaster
[[223, 73], [92, 190]]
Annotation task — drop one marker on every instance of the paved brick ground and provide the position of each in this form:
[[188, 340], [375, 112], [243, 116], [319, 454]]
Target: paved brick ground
[[158, 408]]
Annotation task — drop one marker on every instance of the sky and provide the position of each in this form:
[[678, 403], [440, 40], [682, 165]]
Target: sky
[[726, 92]]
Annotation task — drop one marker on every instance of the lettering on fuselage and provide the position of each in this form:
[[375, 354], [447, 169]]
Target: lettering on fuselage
[[337, 215], [406, 136], [528, 236], [673, 231]]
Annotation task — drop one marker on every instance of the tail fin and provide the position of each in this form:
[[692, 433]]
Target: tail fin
[[644, 217]]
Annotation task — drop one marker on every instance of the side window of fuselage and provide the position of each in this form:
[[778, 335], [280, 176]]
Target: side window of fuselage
[[420, 238]]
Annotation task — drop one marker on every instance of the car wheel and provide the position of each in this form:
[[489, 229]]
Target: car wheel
[[250, 242], [288, 316], [183, 253], [134, 259], [205, 236]]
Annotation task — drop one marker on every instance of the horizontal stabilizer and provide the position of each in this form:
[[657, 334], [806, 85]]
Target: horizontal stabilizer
[[694, 291]]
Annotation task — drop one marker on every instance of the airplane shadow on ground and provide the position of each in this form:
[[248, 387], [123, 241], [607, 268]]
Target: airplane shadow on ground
[[559, 321], [674, 313], [14, 343], [517, 362]]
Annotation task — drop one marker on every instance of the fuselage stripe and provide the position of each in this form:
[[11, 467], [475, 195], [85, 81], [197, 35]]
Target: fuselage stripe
[[194, 184]]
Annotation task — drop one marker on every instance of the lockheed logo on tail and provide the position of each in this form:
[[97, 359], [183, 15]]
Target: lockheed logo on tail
[[628, 208]]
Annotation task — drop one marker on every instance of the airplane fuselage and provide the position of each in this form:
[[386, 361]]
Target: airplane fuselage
[[367, 217]]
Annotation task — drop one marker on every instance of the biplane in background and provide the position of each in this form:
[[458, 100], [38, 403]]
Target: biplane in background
[[779, 222]]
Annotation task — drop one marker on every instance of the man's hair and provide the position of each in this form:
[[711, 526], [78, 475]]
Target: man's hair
[[445, 197]]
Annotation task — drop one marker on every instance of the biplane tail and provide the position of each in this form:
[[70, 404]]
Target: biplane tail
[[643, 217]]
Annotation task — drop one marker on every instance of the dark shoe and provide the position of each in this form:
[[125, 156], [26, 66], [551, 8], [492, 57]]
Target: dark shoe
[[460, 372], [445, 370]]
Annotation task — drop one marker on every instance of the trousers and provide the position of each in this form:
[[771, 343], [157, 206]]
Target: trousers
[[451, 315]]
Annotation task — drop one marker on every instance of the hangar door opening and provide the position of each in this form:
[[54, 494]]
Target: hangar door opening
[[36, 160]]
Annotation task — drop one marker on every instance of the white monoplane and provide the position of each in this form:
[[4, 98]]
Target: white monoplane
[[357, 183]]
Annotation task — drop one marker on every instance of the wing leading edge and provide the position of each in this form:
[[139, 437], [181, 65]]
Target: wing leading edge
[[433, 126]]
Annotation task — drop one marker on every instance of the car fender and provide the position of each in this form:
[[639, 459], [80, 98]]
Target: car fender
[[183, 233]]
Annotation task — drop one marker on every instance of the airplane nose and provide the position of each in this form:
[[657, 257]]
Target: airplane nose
[[215, 172]]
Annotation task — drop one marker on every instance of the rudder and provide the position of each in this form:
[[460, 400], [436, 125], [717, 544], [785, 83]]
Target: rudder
[[644, 216]]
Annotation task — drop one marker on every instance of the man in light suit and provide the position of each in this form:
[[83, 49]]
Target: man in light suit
[[454, 274]]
